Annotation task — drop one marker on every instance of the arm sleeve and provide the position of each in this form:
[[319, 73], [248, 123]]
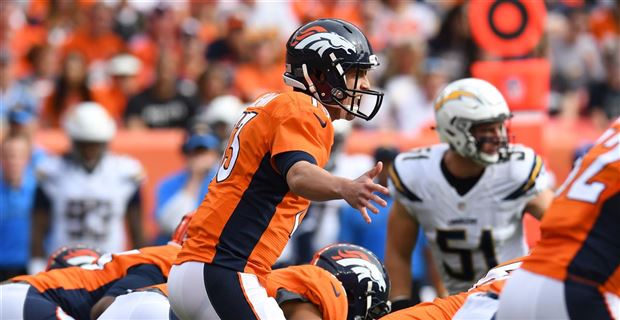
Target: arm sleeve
[[140, 276], [284, 161], [301, 131]]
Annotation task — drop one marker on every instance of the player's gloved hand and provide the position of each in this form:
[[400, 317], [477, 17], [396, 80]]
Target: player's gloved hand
[[36, 265]]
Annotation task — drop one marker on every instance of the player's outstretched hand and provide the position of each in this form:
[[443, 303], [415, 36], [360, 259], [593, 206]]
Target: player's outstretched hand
[[359, 192]]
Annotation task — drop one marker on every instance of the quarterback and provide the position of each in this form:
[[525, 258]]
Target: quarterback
[[272, 168]]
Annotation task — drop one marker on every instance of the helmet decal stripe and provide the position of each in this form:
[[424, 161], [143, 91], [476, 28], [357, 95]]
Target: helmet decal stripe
[[343, 254], [320, 42], [455, 95], [310, 31]]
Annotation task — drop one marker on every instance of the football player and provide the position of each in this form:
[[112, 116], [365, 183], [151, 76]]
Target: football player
[[87, 195], [468, 193], [84, 291], [272, 168], [574, 270], [343, 281]]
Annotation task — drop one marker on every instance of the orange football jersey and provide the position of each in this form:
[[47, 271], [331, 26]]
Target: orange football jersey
[[77, 289], [249, 213], [580, 233], [109, 268], [313, 283]]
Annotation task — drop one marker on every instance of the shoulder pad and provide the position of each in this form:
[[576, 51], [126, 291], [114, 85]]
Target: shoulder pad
[[525, 166], [405, 165], [129, 167]]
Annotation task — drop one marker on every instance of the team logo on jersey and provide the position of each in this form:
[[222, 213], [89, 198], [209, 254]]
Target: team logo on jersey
[[361, 265], [319, 40]]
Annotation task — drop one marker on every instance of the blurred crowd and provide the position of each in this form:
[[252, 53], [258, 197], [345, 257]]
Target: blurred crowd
[[161, 64], [194, 64]]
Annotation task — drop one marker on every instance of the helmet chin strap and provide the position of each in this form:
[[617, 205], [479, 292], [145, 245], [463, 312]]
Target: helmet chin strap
[[368, 297], [311, 87]]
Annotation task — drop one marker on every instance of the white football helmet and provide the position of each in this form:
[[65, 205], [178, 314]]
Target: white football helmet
[[89, 122], [463, 104]]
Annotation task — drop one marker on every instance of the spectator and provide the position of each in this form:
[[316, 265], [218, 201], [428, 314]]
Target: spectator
[[12, 93], [61, 18], [576, 63], [228, 48], [127, 20], [87, 195], [95, 40], [44, 67], [604, 100], [262, 73], [402, 20], [207, 15], [123, 70], [23, 121], [161, 35], [348, 10], [221, 115], [70, 88], [215, 81], [17, 190], [259, 15], [411, 99], [162, 105], [193, 62], [454, 43], [183, 191], [19, 36]]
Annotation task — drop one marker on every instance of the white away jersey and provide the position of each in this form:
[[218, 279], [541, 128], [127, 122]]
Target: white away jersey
[[472, 233], [87, 207]]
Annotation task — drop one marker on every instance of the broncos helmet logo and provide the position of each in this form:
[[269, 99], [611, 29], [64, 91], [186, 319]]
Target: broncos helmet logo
[[321, 41], [364, 269]]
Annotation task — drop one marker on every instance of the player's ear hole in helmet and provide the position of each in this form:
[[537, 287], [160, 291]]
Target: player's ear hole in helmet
[[322, 55], [471, 117], [364, 278]]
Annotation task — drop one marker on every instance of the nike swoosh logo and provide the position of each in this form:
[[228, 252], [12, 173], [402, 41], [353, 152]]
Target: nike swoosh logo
[[323, 123], [336, 292]]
